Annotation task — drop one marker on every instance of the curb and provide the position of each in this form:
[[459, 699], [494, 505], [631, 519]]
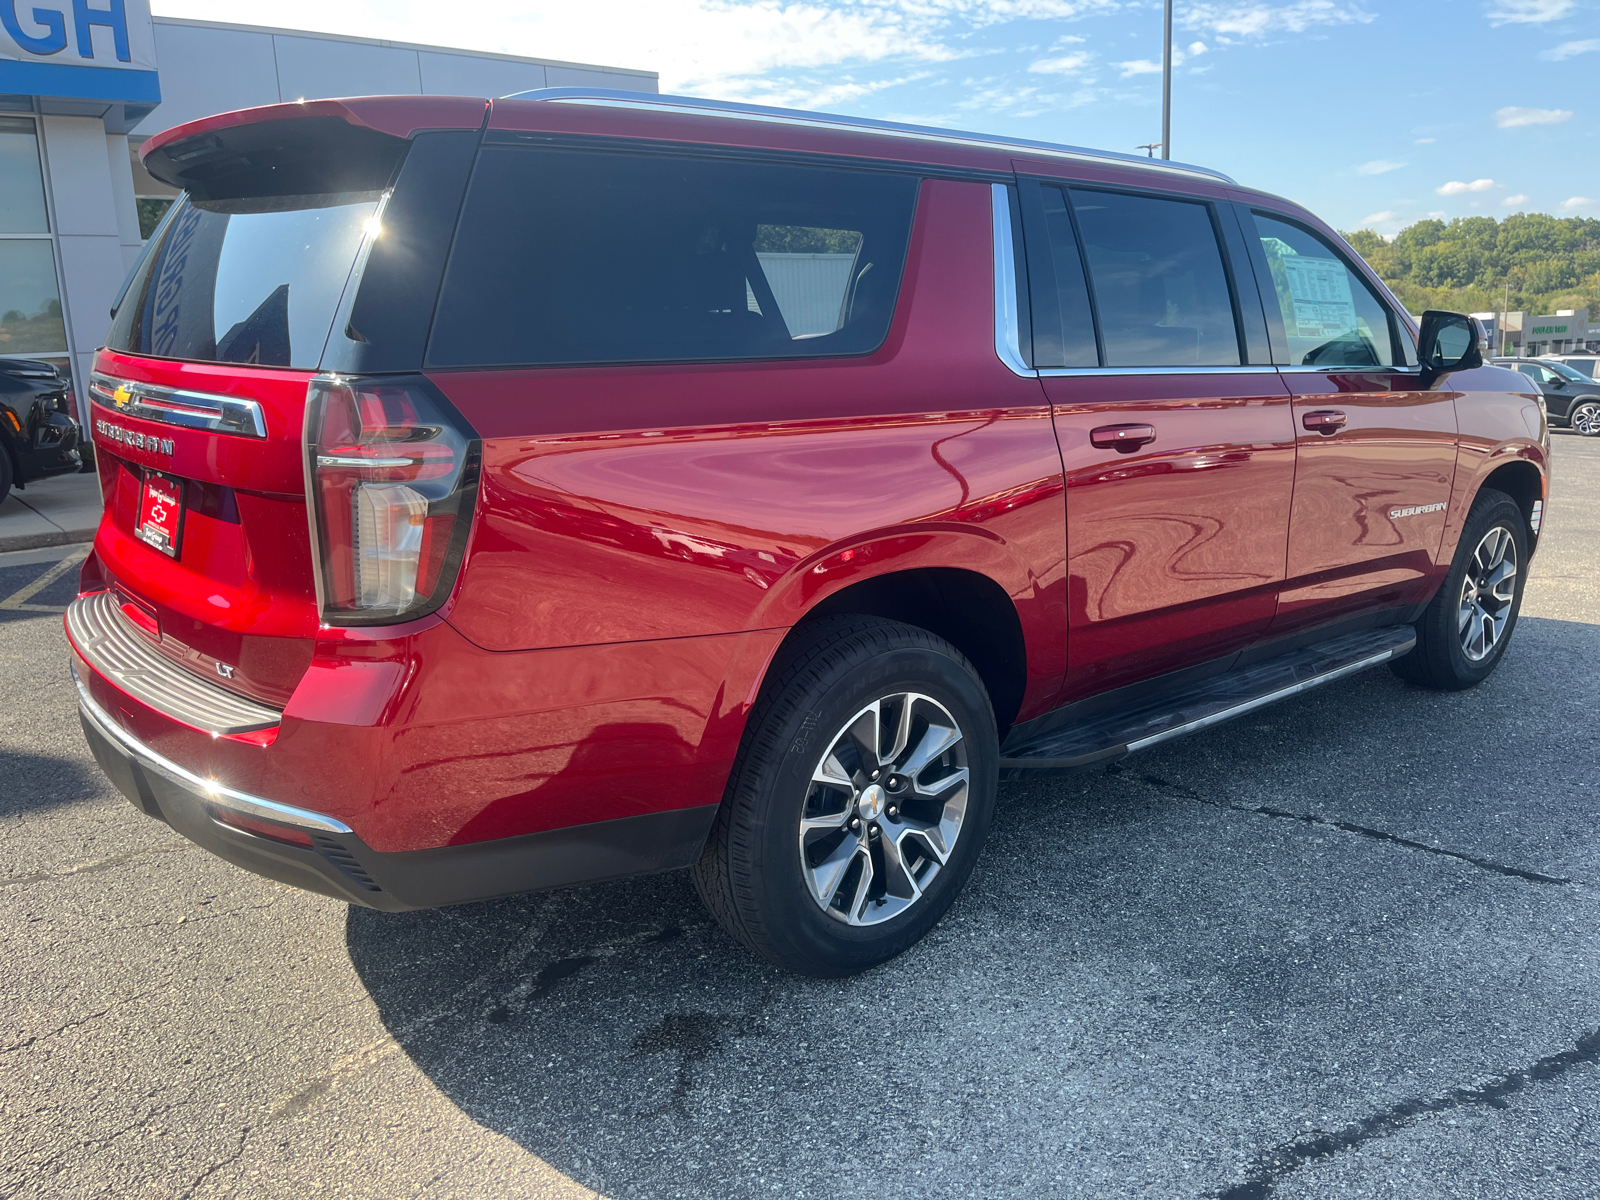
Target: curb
[[57, 537]]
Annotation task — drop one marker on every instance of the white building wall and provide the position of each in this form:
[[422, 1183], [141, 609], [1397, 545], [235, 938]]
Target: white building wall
[[208, 68], [122, 197], [88, 228]]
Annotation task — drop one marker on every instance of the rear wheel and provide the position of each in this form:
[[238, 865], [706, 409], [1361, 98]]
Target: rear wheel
[[1585, 418], [5, 474], [859, 802], [1464, 632]]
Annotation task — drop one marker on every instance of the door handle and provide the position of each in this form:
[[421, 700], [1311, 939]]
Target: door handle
[[1124, 439], [1324, 421]]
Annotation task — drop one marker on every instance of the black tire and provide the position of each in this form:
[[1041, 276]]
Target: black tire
[[1584, 417], [751, 875], [1441, 659], [5, 474]]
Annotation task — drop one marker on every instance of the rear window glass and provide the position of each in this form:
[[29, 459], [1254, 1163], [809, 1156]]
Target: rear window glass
[[567, 256], [245, 281], [1159, 284]]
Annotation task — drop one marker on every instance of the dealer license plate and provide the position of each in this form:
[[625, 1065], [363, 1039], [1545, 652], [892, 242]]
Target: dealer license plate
[[161, 512]]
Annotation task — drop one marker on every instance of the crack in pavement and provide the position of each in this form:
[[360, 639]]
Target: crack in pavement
[[1378, 835], [1273, 1165], [98, 864]]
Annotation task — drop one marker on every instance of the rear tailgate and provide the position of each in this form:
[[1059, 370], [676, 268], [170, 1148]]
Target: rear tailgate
[[236, 600]]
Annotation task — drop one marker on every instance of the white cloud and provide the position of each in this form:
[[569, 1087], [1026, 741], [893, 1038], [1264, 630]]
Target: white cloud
[[1066, 64], [1425, 141], [1378, 166], [1386, 217], [1528, 12], [1152, 66], [1455, 187], [1571, 49], [698, 46], [1572, 202], [1253, 20], [1514, 117], [1513, 201]]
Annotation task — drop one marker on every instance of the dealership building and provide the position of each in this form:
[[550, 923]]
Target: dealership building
[[83, 85]]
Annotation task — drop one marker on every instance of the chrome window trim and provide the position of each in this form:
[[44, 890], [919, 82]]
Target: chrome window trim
[[209, 789], [1067, 372], [1334, 370], [179, 406], [615, 98], [1007, 321]]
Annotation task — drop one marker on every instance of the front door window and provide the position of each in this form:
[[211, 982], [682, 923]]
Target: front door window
[[1331, 319]]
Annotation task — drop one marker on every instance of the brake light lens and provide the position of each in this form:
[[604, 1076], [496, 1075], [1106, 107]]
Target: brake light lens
[[391, 479]]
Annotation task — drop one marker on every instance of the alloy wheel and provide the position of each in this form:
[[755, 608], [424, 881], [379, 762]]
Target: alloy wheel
[[1487, 590], [884, 808], [1586, 419]]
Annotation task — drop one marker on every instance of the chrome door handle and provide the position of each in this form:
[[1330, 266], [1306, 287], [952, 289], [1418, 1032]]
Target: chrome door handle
[[1324, 421], [1124, 439]]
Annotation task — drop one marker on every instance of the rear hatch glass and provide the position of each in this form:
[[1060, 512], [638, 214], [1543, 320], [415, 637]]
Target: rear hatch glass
[[255, 280]]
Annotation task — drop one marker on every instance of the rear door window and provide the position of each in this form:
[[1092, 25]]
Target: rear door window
[[254, 280], [1158, 281], [1331, 318], [577, 256]]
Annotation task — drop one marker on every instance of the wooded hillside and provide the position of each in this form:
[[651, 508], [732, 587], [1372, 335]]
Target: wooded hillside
[[1551, 262]]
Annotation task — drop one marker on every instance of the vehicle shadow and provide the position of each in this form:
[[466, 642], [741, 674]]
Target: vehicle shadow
[[34, 781], [1148, 972]]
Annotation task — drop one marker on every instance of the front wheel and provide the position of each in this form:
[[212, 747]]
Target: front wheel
[[1585, 418], [859, 802], [1463, 633]]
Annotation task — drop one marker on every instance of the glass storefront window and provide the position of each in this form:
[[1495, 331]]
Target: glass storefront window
[[30, 301], [21, 180]]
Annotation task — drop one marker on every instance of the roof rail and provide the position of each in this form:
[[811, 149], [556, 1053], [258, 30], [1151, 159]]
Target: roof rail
[[616, 98]]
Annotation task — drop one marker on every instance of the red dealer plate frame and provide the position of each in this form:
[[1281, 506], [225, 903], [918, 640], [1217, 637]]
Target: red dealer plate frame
[[160, 523]]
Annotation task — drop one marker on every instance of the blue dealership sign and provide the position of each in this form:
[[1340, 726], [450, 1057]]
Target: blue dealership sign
[[79, 49]]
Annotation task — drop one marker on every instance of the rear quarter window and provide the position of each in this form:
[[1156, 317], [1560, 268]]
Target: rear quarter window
[[578, 256]]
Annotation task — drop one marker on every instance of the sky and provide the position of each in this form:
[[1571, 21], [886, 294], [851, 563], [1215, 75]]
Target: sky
[[1373, 116]]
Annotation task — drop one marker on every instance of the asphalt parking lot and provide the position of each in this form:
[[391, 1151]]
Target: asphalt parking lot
[[1347, 946]]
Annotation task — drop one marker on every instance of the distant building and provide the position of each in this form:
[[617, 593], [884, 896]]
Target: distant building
[[80, 91], [1566, 332]]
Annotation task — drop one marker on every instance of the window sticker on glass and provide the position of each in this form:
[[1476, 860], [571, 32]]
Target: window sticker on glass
[[1323, 306]]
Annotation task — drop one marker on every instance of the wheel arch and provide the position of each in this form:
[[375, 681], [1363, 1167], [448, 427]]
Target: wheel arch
[[966, 608], [1523, 482]]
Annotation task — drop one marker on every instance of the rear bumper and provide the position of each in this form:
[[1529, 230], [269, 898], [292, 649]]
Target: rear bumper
[[338, 863]]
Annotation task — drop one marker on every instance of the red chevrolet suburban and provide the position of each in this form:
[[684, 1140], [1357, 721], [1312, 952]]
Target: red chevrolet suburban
[[505, 495]]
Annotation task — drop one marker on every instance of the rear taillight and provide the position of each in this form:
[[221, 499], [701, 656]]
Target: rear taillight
[[391, 478]]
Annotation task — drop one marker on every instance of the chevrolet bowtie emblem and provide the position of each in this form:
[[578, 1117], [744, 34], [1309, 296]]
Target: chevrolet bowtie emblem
[[121, 396]]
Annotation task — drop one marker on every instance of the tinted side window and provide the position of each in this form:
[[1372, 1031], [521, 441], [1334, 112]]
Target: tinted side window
[[1070, 340], [1330, 316], [574, 256], [1159, 285]]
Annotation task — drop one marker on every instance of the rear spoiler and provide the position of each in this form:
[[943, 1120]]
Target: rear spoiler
[[305, 148]]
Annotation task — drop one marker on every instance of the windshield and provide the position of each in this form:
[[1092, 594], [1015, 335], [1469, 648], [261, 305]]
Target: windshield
[[1566, 372], [244, 281]]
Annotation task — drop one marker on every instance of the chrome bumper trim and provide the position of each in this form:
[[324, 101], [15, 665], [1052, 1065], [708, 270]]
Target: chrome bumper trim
[[207, 789], [113, 647]]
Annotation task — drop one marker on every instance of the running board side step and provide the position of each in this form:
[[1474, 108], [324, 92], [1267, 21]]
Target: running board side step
[[1110, 735]]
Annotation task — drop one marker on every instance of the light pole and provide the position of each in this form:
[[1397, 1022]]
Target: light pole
[[1166, 82]]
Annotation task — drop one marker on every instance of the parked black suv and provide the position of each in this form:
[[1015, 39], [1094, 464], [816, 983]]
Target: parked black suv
[[1570, 397], [38, 436]]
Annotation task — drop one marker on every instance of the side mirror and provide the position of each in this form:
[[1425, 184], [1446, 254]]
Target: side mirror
[[1448, 342]]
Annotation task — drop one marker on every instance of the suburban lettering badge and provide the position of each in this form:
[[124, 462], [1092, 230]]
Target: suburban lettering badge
[[1415, 510], [130, 437]]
